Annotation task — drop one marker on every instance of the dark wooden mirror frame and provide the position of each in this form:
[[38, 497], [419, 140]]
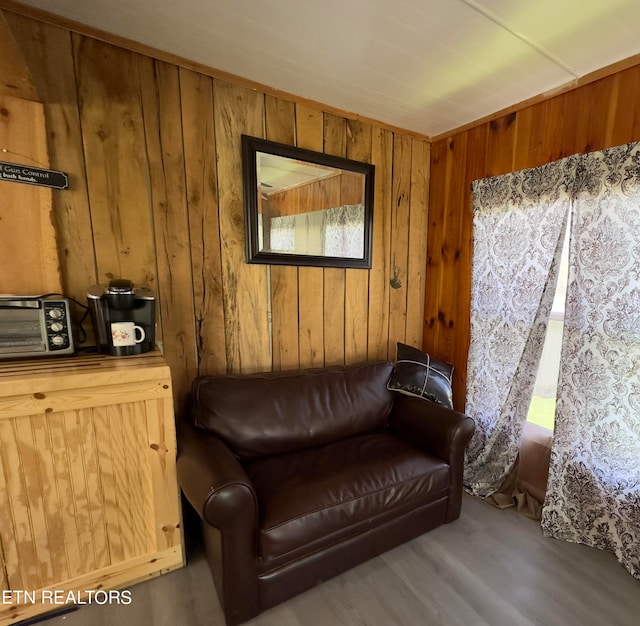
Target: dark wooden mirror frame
[[251, 146]]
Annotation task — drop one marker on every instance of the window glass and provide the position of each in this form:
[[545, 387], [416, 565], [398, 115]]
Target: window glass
[[542, 410]]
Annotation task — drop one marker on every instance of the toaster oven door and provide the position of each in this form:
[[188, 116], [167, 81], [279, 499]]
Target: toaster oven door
[[21, 331]]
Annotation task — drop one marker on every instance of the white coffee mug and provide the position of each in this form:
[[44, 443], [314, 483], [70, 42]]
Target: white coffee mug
[[124, 334]]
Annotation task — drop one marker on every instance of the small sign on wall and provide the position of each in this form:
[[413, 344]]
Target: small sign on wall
[[14, 172]]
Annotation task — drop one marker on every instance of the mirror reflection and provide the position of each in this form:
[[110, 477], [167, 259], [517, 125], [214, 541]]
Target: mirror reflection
[[306, 208], [309, 209]]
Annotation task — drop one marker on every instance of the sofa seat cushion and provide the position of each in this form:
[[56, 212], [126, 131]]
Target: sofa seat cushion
[[311, 499]]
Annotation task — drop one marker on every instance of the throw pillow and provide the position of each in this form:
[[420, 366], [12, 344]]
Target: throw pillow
[[418, 374]]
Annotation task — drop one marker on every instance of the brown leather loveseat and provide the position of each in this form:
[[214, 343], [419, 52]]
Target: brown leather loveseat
[[298, 476]]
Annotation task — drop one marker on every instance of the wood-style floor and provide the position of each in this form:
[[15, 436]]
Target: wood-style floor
[[489, 568]]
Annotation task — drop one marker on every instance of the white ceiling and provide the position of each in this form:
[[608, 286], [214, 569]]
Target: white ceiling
[[277, 173], [423, 65]]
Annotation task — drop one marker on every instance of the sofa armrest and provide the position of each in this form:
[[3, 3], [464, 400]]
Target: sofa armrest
[[218, 488], [213, 481], [440, 431]]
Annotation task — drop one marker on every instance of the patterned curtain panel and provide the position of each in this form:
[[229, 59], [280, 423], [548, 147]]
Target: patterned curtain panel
[[593, 494], [519, 222]]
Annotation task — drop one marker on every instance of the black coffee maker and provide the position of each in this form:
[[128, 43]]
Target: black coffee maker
[[123, 317]]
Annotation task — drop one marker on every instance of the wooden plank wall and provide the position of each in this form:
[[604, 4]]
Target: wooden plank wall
[[153, 154], [26, 235], [15, 80], [334, 191], [592, 117]]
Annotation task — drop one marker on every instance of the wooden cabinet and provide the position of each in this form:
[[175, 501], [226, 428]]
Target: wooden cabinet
[[89, 498]]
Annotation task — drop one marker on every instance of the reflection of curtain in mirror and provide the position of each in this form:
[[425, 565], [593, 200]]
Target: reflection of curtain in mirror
[[298, 234], [344, 232], [310, 233], [283, 234]]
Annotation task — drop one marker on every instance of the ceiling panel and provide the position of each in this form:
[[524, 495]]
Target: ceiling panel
[[583, 35], [424, 65]]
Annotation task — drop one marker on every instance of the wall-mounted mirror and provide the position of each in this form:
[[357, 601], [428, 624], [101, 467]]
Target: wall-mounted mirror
[[304, 207]]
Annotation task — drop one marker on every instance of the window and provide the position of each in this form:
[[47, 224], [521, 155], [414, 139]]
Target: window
[[542, 410]]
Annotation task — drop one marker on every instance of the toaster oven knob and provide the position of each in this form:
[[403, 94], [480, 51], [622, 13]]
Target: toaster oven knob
[[58, 340], [56, 314], [56, 327]]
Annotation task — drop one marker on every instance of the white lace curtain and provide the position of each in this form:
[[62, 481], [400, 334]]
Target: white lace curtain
[[344, 234], [593, 494], [283, 233], [338, 231]]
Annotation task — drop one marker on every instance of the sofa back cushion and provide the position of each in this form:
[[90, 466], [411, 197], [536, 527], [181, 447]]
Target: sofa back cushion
[[276, 412]]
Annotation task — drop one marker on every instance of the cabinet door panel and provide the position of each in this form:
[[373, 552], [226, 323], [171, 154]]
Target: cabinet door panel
[[88, 494]]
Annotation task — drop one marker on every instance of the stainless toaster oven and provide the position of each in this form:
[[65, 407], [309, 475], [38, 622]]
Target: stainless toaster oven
[[34, 326]]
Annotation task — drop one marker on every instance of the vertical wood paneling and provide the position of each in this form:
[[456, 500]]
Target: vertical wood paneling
[[30, 457], [160, 445], [418, 225], [500, 145], [345, 188], [111, 115], [79, 496], [49, 55], [379, 276], [124, 499], [553, 146], [95, 497], [54, 518], [334, 278], [280, 120], [359, 138], [450, 249], [401, 201], [102, 425], [280, 127], [165, 154], [4, 583], [17, 550], [26, 234], [530, 125], [16, 80], [34, 525], [146, 422], [196, 92], [239, 111], [64, 492], [595, 133], [91, 475], [567, 138], [435, 274], [626, 119], [473, 167], [309, 135], [135, 478]]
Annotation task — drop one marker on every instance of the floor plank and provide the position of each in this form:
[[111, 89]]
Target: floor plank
[[489, 568]]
